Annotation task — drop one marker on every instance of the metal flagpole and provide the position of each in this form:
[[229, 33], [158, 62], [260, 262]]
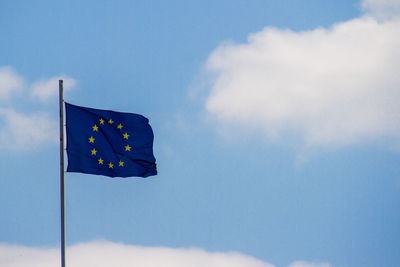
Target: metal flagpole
[[61, 103]]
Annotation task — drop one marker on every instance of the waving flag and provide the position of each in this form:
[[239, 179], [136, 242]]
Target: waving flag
[[109, 143]]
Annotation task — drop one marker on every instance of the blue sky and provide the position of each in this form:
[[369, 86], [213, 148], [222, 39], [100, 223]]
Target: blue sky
[[277, 132]]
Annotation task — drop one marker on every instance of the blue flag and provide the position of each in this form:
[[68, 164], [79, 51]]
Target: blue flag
[[109, 143]]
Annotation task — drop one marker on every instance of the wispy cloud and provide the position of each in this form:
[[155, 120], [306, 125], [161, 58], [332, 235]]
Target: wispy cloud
[[26, 131], [10, 81], [23, 130], [382, 9], [47, 89], [329, 86], [105, 253]]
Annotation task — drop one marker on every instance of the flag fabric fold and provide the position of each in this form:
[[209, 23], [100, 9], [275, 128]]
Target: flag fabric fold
[[109, 143]]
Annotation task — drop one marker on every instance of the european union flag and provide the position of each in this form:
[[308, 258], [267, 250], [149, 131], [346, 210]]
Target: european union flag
[[109, 143]]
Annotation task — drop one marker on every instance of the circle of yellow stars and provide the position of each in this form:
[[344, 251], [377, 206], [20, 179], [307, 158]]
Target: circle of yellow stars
[[92, 140]]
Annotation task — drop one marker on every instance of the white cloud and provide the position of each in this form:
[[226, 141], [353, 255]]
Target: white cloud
[[382, 9], [105, 254], [48, 88], [330, 87], [99, 254], [9, 81], [26, 131]]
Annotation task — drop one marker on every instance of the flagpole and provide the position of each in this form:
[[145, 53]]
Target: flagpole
[[61, 104]]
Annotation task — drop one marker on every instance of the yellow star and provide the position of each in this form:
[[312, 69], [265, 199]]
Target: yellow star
[[127, 148], [126, 135], [110, 165], [94, 151], [101, 121], [101, 161], [119, 126], [95, 128], [121, 163], [110, 121], [91, 139]]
